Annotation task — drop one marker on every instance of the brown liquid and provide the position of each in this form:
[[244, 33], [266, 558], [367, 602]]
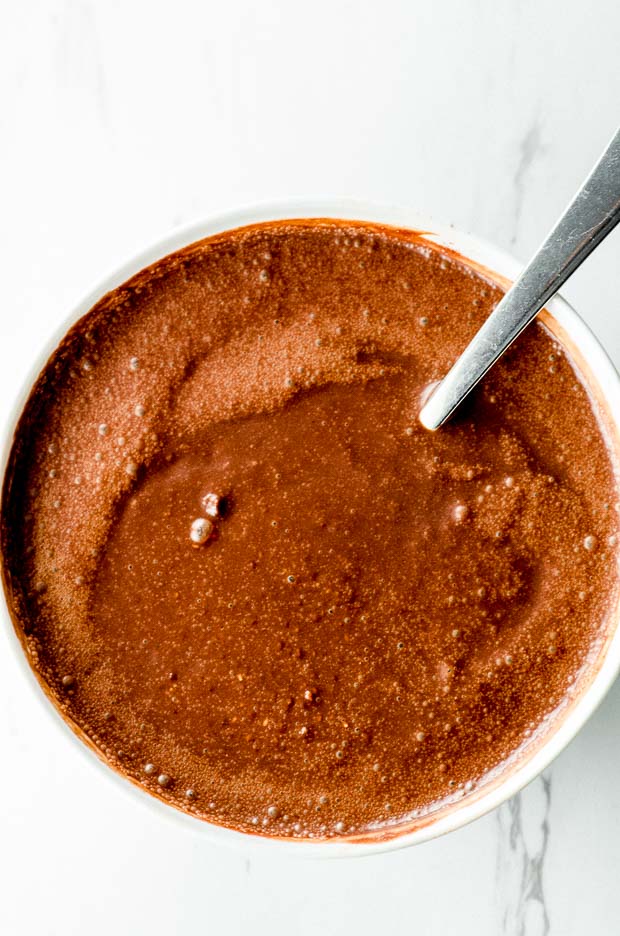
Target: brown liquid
[[381, 616]]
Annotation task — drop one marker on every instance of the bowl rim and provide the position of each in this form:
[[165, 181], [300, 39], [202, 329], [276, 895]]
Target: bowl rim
[[600, 371]]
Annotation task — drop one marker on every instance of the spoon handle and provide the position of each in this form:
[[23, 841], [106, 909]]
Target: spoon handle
[[593, 213]]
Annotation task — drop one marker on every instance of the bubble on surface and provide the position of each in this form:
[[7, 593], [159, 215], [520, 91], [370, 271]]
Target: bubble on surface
[[200, 531], [211, 504], [460, 513]]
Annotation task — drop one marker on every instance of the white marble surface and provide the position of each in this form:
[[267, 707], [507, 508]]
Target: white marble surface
[[120, 120]]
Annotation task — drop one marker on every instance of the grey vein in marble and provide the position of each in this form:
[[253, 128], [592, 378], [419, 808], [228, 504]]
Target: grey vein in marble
[[523, 841], [530, 147]]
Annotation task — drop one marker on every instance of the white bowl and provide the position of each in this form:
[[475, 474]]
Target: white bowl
[[604, 384]]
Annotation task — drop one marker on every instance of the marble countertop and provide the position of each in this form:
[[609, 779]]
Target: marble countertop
[[120, 121]]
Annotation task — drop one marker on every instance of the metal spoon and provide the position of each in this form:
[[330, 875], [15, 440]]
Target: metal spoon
[[593, 213]]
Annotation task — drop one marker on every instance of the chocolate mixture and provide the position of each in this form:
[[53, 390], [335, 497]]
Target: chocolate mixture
[[251, 579]]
